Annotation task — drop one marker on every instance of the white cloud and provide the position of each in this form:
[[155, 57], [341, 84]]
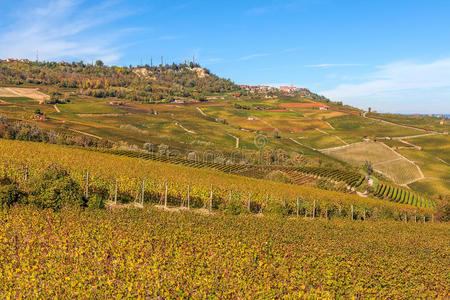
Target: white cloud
[[333, 65], [252, 56], [62, 29], [401, 87]]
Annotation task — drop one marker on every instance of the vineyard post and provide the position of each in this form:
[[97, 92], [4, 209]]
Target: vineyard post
[[26, 172], [230, 197], [165, 197], [297, 207], [115, 194], [249, 199], [182, 202], [432, 218], [314, 209], [352, 211], [188, 195], [406, 218], [143, 191], [211, 198], [415, 217], [424, 220], [267, 201], [326, 213], [87, 185], [364, 214]]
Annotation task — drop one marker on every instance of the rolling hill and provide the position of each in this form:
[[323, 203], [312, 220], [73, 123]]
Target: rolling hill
[[185, 111]]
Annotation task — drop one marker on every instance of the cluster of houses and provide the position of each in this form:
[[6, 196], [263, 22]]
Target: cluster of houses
[[13, 60], [257, 87], [285, 89]]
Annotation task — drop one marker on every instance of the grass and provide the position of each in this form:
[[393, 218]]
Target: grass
[[89, 108], [351, 126], [395, 143], [438, 145], [418, 121], [432, 187], [317, 139], [18, 100]]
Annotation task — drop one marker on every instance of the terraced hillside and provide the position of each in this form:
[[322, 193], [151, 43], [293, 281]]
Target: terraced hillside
[[150, 181], [114, 106], [384, 160], [301, 175], [402, 195]]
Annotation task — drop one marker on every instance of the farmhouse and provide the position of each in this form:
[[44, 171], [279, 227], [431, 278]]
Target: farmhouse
[[251, 118], [288, 89], [39, 117], [324, 107]]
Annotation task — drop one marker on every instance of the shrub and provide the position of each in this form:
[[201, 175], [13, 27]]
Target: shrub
[[54, 188], [9, 195], [277, 208], [235, 207], [279, 176], [96, 201]]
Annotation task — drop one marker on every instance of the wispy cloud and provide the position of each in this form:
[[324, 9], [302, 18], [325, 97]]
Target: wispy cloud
[[400, 86], [333, 65], [252, 56], [63, 29]]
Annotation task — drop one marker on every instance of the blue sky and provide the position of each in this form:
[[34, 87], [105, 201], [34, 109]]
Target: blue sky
[[391, 55]]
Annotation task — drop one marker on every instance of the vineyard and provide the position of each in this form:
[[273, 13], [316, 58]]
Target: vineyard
[[402, 195], [148, 253], [125, 179], [300, 175], [385, 160]]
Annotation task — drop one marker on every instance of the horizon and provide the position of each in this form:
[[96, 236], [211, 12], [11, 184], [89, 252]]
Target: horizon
[[387, 60]]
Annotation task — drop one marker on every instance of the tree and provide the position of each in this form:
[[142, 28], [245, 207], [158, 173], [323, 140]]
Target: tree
[[275, 134], [99, 63], [148, 147], [54, 188], [368, 167]]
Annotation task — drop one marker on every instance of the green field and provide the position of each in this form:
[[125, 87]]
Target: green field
[[184, 128], [351, 128], [18, 100], [437, 145], [418, 121]]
